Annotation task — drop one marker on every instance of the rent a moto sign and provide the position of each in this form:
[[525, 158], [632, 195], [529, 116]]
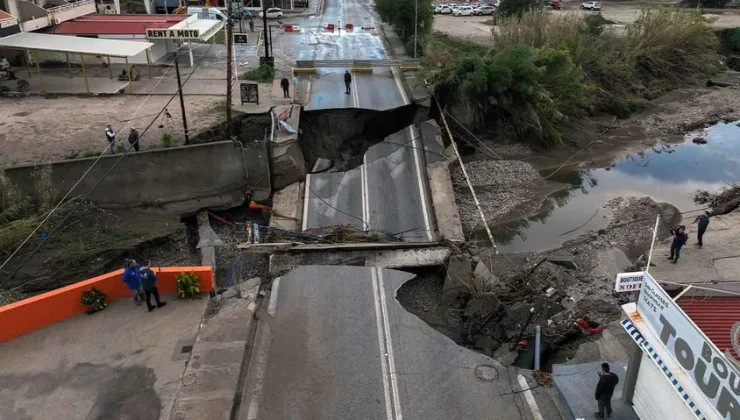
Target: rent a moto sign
[[716, 377], [173, 33]]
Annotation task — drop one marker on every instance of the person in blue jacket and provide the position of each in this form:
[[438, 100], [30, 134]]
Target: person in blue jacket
[[132, 278], [149, 282], [679, 240]]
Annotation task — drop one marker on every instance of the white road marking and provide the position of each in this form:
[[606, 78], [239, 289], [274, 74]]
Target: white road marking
[[306, 195], [389, 344], [365, 200], [272, 305], [355, 96], [397, 76], [308, 89], [422, 191], [536, 415], [381, 342]]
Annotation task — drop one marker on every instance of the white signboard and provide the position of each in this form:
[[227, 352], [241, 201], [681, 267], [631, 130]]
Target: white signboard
[[629, 282], [700, 360], [173, 33]]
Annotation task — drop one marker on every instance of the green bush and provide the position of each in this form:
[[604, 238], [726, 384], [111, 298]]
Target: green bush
[[402, 14], [262, 74], [516, 8], [166, 140], [95, 300], [188, 286]]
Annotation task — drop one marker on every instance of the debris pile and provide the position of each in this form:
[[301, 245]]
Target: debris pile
[[723, 202]]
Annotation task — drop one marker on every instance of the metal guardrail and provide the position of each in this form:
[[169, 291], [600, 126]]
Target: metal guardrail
[[69, 6], [355, 63], [6, 23]]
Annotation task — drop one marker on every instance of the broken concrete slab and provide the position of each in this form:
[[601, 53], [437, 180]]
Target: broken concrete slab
[[287, 207], [443, 200], [384, 258], [431, 136], [483, 274], [566, 262], [457, 279], [207, 240], [321, 165]]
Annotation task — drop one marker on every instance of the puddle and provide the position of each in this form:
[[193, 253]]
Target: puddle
[[666, 172]]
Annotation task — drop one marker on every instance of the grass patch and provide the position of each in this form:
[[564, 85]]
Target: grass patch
[[91, 153], [262, 74]]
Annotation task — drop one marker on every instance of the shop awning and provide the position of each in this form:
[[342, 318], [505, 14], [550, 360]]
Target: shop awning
[[74, 45]]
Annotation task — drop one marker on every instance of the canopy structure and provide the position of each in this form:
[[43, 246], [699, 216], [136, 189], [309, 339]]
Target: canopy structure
[[33, 42]]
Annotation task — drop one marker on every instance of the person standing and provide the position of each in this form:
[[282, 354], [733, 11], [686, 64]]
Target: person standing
[[604, 391], [251, 24], [149, 283], [679, 240], [110, 135], [132, 278], [347, 81], [703, 223], [285, 84], [133, 138]]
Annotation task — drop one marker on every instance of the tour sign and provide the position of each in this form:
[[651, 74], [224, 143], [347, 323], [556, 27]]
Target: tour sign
[[173, 33]]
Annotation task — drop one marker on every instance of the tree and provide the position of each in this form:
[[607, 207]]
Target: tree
[[403, 13]]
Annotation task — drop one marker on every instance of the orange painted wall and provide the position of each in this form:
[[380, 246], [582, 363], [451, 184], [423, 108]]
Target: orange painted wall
[[36, 312]]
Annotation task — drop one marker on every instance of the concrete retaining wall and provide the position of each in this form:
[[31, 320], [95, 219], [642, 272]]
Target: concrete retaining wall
[[184, 179], [39, 311]]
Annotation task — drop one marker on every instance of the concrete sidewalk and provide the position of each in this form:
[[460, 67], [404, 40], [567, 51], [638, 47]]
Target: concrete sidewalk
[[718, 260]]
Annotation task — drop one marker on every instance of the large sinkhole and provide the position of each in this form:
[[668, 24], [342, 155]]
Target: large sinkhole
[[344, 135]]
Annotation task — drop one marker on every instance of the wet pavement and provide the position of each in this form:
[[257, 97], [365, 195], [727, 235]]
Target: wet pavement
[[669, 172]]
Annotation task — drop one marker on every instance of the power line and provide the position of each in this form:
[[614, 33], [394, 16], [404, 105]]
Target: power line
[[110, 170], [110, 145]]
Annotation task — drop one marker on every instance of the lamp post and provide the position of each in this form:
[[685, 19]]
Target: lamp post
[[416, 23]]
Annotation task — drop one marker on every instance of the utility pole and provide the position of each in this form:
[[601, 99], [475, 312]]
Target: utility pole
[[182, 103], [229, 65], [416, 23], [264, 29]]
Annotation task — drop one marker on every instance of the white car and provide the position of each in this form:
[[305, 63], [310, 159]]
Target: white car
[[445, 10], [463, 11], [484, 10], [273, 13], [591, 5]]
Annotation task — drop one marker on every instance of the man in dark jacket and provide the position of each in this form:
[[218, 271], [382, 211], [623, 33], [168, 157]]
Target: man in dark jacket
[[285, 84], [347, 81], [604, 391], [133, 138], [679, 240], [703, 223], [149, 282]]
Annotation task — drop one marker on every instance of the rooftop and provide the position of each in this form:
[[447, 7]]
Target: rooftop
[[123, 362], [116, 24], [715, 316], [75, 45]]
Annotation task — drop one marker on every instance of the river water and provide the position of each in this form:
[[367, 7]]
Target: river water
[[667, 172]]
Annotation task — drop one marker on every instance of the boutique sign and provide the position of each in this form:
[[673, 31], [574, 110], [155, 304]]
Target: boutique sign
[[701, 361]]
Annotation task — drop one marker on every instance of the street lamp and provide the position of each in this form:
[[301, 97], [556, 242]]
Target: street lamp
[[416, 23]]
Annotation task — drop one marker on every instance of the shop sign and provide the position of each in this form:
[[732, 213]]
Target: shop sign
[[629, 282], [173, 33], [701, 361]]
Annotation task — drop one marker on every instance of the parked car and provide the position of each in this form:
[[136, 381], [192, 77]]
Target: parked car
[[591, 5], [445, 10], [463, 11], [273, 13], [484, 10], [556, 4]]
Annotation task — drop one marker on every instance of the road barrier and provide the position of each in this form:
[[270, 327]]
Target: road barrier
[[362, 69], [304, 69], [330, 27], [406, 64], [289, 28], [42, 310], [349, 26], [368, 26], [409, 67]]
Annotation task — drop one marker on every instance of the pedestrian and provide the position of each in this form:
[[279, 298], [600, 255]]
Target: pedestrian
[[679, 240], [149, 283], [133, 138], [703, 223], [347, 81], [251, 24], [110, 135], [132, 278], [285, 84], [604, 391]]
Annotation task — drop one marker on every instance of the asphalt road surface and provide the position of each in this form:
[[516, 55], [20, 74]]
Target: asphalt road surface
[[388, 193], [335, 344], [379, 90]]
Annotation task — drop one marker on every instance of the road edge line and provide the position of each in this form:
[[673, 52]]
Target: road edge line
[[389, 342], [529, 397], [381, 344]]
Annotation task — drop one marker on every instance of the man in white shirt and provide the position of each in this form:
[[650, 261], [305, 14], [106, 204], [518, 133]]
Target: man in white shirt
[[110, 135]]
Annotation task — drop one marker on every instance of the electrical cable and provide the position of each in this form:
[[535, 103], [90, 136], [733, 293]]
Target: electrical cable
[[76, 184], [105, 175]]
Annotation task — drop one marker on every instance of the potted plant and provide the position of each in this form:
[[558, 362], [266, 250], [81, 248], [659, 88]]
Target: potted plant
[[95, 300], [187, 285]]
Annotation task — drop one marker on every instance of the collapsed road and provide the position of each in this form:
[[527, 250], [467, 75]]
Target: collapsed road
[[388, 194], [335, 343]]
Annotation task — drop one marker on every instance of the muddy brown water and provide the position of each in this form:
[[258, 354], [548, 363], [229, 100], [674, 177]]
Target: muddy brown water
[[666, 172]]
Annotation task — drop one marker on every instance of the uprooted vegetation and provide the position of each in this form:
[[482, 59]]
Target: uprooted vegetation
[[544, 71], [722, 202]]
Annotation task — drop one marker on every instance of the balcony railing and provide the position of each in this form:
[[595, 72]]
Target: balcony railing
[[8, 22], [71, 6]]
